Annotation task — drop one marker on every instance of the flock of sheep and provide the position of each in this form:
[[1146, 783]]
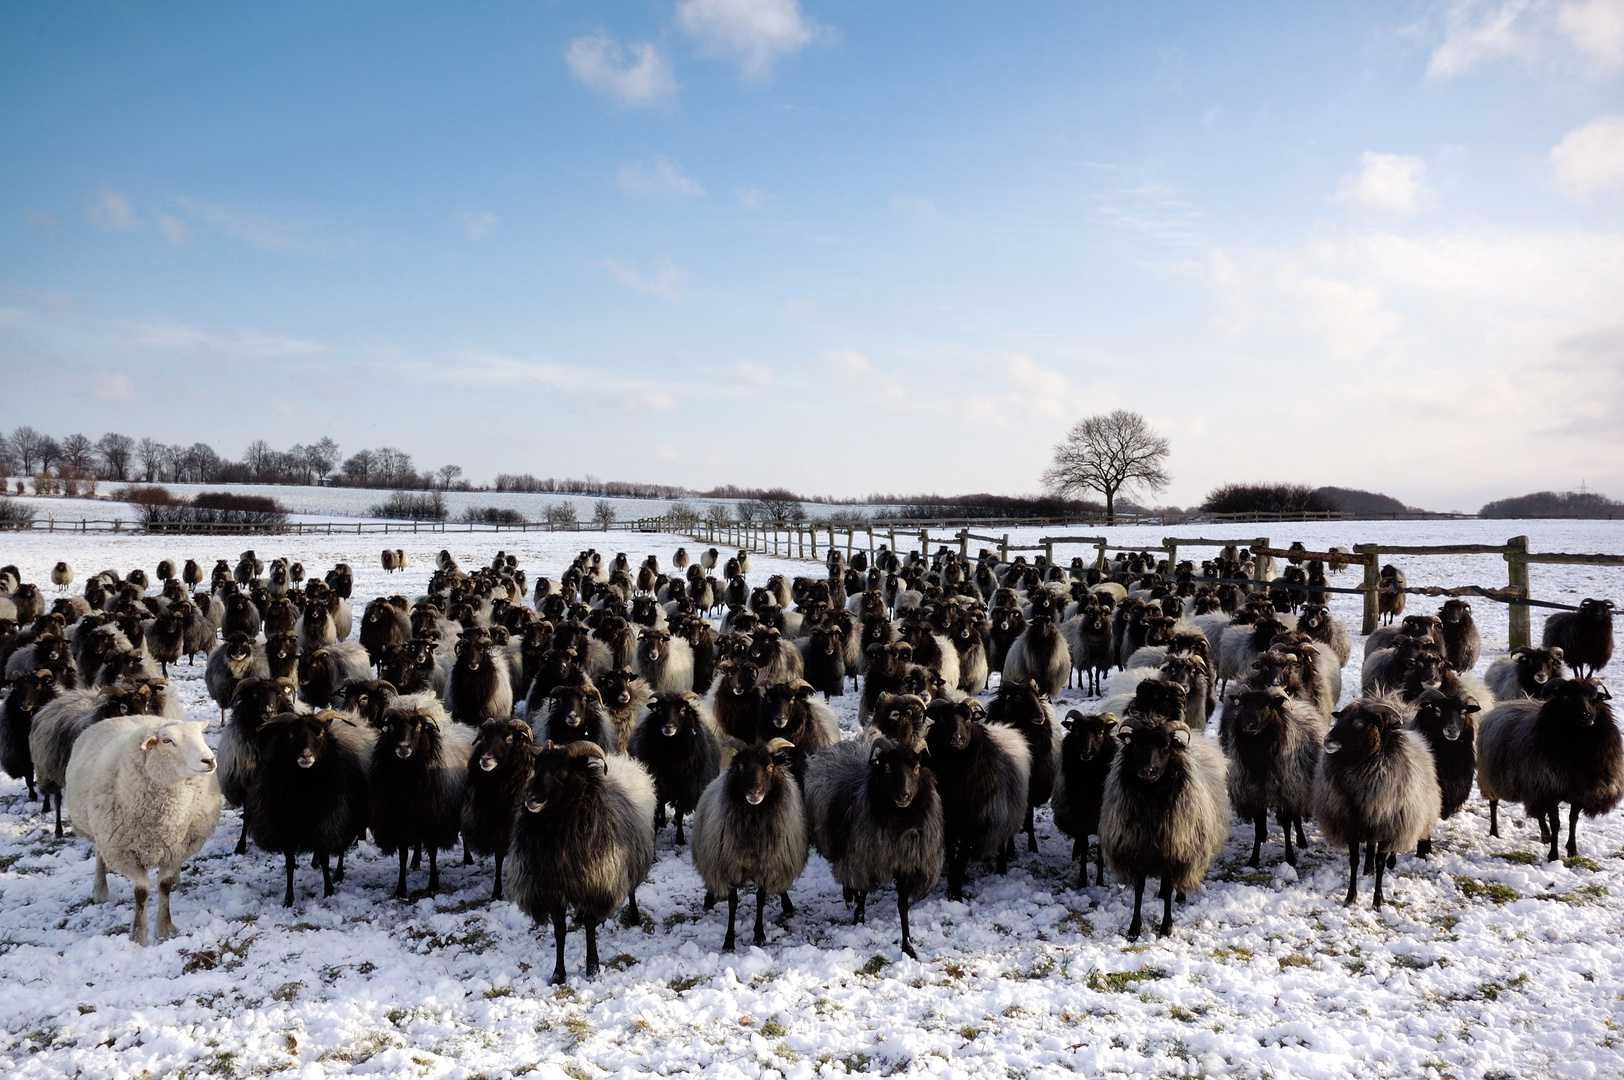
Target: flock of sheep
[[556, 735]]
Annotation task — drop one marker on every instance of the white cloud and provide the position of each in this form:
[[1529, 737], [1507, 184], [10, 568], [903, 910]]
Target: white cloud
[[752, 199], [477, 224], [846, 364], [748, 374], [1591, 158], [599, 62], [644, 401], [494, 369], [111, 386], [1389, 183], [109, 209], [753, 32], [177, 337], [257, 231], [663, 177], [667, 284], [1583, 34], [174, 229]]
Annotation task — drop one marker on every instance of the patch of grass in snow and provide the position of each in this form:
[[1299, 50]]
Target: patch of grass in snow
[[772, 1029], [1235, 952], [1041, 969], [498, 992], [220, 1063], [8, 861], [1414, 963], [575, 1072], [621, 961], [1116, 982], [1078, 923], [1584, 894], [287, 991], [1523, 858], [1295, 960], [1582, 862], [875, 965], [682, 986], [969, 1033], [675, 919], [1473, 889], [1491, 991]]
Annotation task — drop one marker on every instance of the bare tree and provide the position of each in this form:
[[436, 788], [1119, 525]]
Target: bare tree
[[150, 453], [78, 453], [448, 475], [358, 469], [25, 443], [603, 513], [115, 451], [322, 456], [1109, 453], [718, 514], [777, 505]]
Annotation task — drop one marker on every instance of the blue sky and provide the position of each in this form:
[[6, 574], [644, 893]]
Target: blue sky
[[841, 247]]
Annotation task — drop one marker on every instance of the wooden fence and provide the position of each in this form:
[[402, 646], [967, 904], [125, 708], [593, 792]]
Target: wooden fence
[[325, 528], [801, 541]]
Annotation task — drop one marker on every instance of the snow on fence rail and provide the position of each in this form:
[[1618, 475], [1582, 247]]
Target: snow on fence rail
[[325, 528], [793, 541]]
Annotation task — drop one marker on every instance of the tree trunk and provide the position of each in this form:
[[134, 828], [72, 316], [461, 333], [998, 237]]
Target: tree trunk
[[1110, 506]]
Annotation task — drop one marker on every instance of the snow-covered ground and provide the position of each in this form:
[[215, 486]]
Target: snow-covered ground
[[1491, 963]]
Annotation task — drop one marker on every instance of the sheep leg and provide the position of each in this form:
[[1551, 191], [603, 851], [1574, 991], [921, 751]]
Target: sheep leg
[[1544, 829], [678, 815], [1353, 872], [1260, 833], [1167, 908], [1137, 924], [559, 928], [242, 839], [138, 928], [631, 917], [326, 875], [1423, 847], [1004, 855], [496, 891], [728, 942], [1555, 832], [1370, 857], [1099, 862], [434, 870], [338, 875], [902, 916], [958, 857], [710, 900], [761, 910], [417, 856], [166, 882], [59, 813], [1573, 829], [788, 904], [1291, 853], [659, 816], [1392, 859], [400, 882], [98, 891], [1302, 841], [861, 912], [467, 856], [1494, 817], [1381, 867], [1031, 833], [592, 966]]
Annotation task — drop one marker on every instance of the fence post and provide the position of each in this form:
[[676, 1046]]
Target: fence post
[[1003, 549], [1257, 565], [848, 544], [1517, 578], [1172, 546], [1372, 580], [1048, 551], [924, 544], [964, 543], [1099, 563]]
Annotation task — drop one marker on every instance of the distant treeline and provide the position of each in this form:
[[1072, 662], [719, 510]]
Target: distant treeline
[[588, 485], [1555, 504], [1299, 499]]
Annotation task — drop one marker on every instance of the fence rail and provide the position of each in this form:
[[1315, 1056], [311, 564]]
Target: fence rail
[[324, 528]]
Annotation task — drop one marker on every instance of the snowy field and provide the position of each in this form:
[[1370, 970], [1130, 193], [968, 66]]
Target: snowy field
[[1491, 963]]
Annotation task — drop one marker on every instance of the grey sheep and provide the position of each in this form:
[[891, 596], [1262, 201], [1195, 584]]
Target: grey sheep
[[750, 826], [417, 778], [584, 840], [1165, 810], [982, 773], [1543, 753], [1273, 743], [1524, 672], [1086, 754], [1584, 636], [1317, 622], [1377, 786], [876, 816], [237, 659]]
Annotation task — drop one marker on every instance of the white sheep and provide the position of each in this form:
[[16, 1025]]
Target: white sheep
[[144, 792]]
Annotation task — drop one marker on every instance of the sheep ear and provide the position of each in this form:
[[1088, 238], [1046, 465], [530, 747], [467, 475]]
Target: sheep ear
[[1556, 652], [878, 747], [149, 742], [1181, 736]]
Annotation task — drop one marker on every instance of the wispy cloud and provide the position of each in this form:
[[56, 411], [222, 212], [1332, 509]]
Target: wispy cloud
[[109, 209], [587, 386], [257, 231], [752, 199], [477, 224], [639, 81], [666, 284], [754, 33], [1590, 159], [848, 365], [644, 401], [174, 229], [112, 387], [170, 335], [1388, 183], [663, 177], [1572, 35], [746, 373]]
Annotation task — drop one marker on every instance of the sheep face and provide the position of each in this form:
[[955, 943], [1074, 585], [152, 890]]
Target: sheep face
[[177, 751], [572, 707], [1155, 700], [1149, 750], [1445, 716], [1423, 671], [256, 700], [616, 687], [408, 732], [1582, 701], [302, 738], [757, 771], [473, 650], [784, 708], [1455, 611], [1537, 667], [369, 699], [654, 646], [1092, 734], [1019, 703], [1364, 730], [563, 774], [679, 715], [894, 773]]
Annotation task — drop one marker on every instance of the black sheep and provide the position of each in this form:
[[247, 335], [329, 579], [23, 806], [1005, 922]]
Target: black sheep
[[383, 624], [498, 773], [575, 713], [680, 750], [823, 657], [309, 791], [28, 693], [982, 774], [1584, 636], [418, 771], [1086, 754], [1023, 707], [1447, 718]]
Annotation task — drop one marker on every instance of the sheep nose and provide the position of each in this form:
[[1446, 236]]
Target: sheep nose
[[668, 730], [754, 798], [535, 806], [403, 751], [905, 799], [208, 764], [572, 720], [487, 763], [306, 760]]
